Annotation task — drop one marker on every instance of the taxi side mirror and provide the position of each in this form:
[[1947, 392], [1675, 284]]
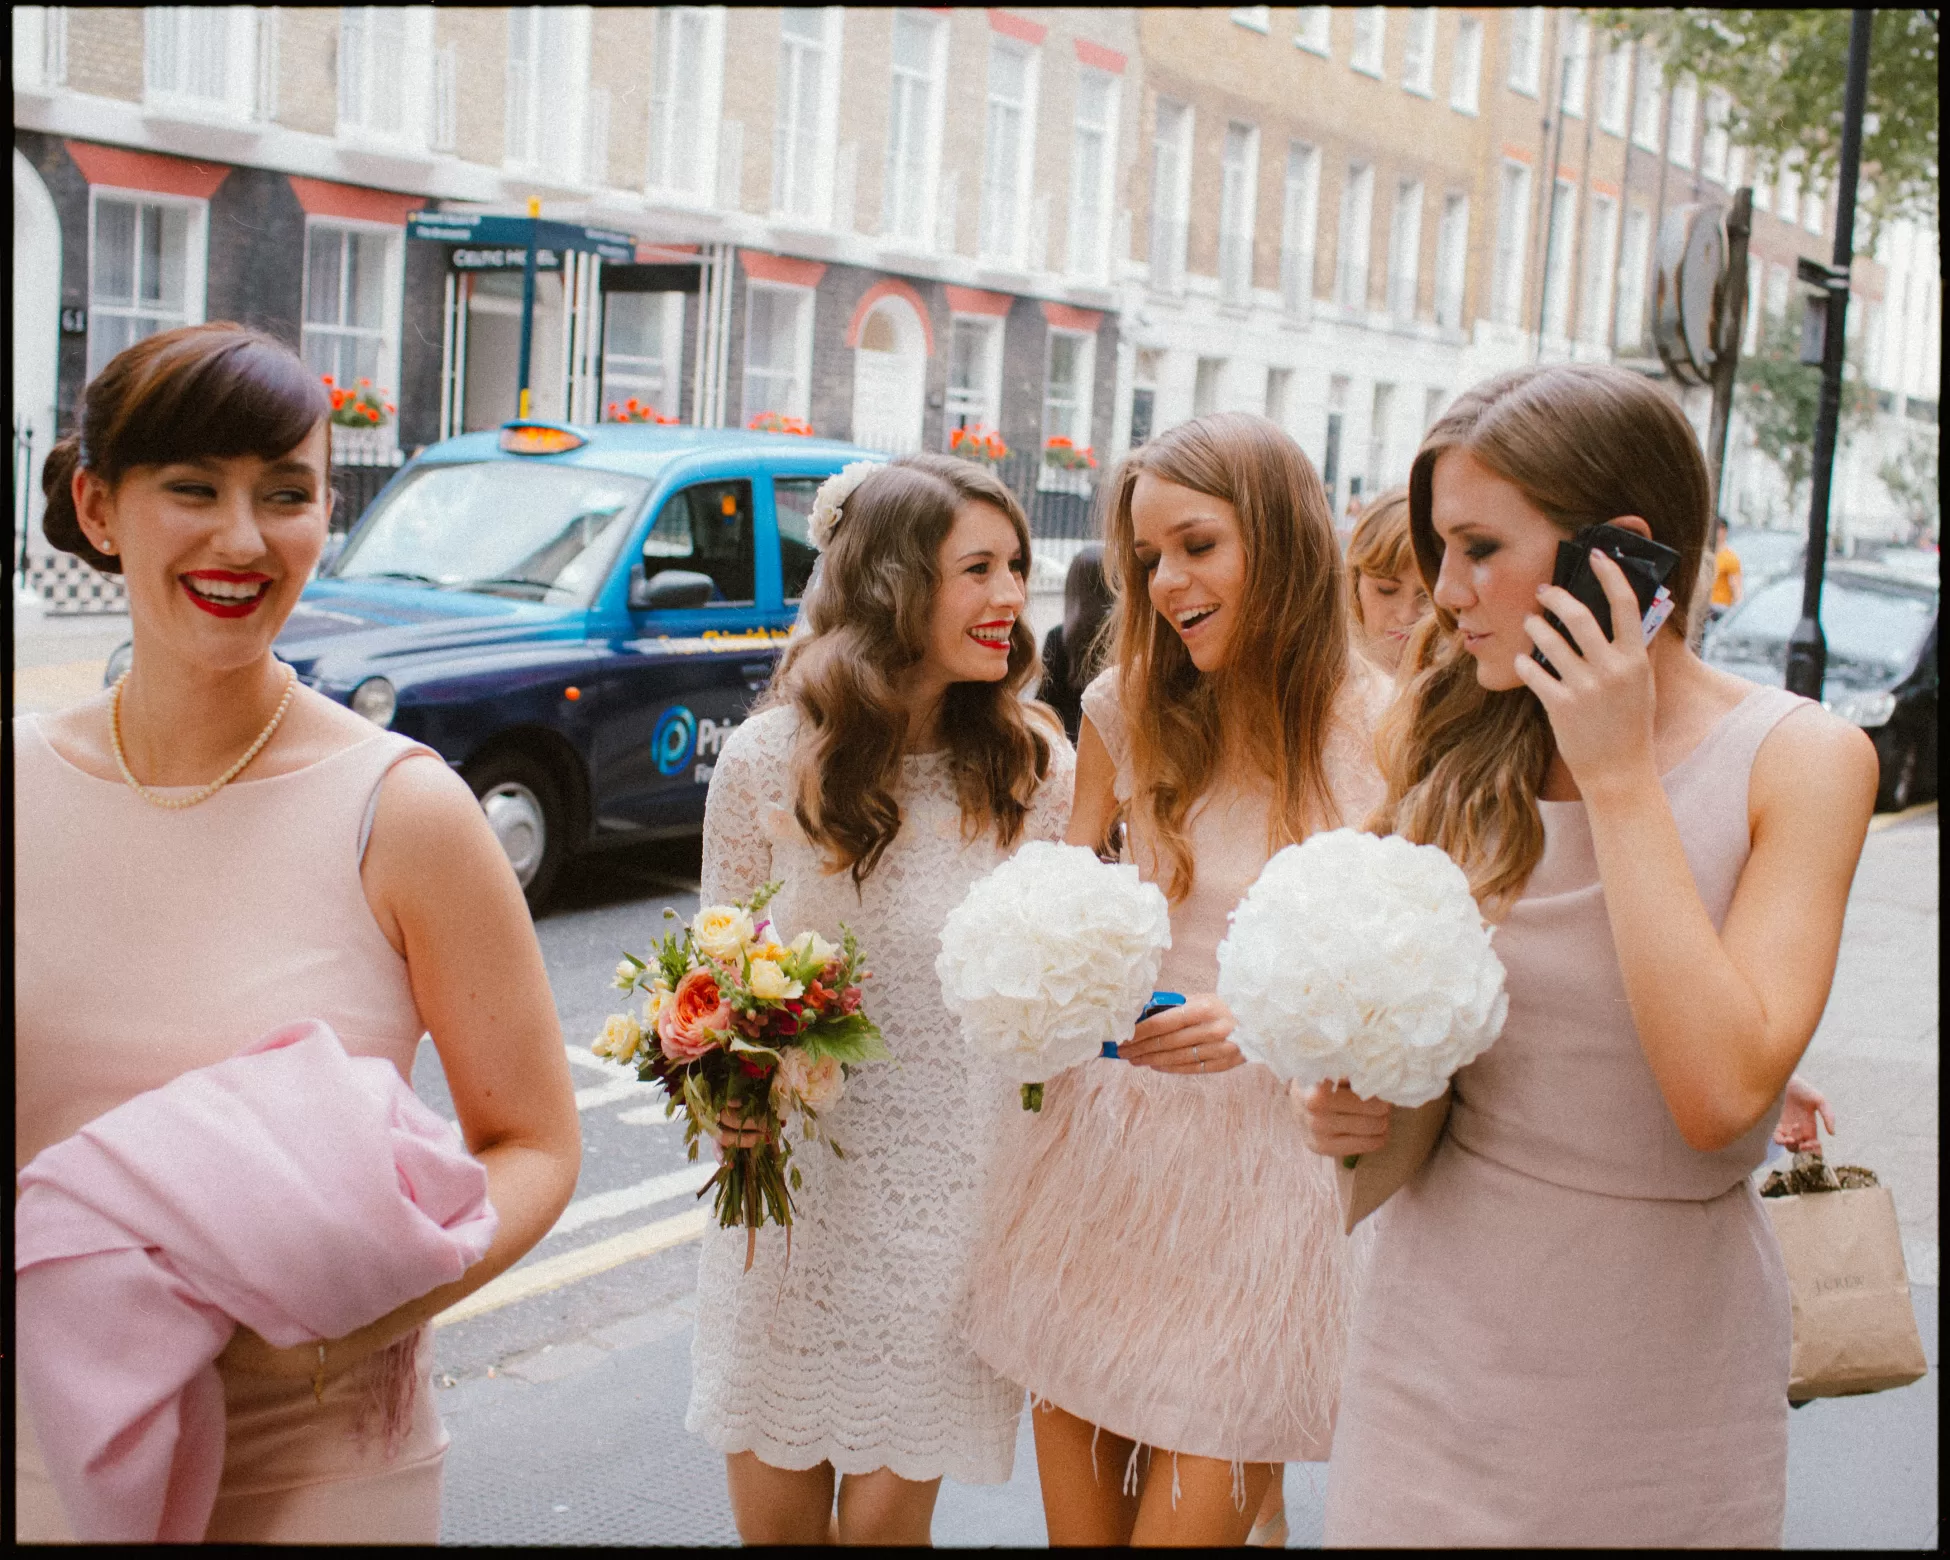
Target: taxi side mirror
[[670, 590]]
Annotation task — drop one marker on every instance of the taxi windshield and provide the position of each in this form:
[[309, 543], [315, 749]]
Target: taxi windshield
[[542, 533]]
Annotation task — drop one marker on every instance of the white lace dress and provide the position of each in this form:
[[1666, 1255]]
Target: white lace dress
[[851, 1353]]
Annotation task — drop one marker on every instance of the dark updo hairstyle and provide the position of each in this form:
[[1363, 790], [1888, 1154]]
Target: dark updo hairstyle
[[196, 392]]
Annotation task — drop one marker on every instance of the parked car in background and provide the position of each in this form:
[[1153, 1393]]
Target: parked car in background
[[1881, 626], [1766, 555], [575, 618]]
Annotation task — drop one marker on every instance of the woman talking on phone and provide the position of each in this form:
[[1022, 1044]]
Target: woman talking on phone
[[1576, 1329]]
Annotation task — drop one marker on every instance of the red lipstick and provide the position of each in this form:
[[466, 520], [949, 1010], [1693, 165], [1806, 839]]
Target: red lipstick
[[239, 608]]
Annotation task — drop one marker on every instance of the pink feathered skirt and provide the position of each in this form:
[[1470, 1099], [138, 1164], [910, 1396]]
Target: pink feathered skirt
[[1162, 1257]]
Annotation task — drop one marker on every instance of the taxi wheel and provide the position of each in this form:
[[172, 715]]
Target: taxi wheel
[[524, 808]]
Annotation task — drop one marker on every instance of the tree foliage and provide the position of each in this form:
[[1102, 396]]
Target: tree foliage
[[1779, 397], [1910, 475], [1785, 72]]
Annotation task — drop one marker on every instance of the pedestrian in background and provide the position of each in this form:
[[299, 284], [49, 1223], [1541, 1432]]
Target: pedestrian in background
[[1575, 1327], [1070, 650], [1385, 590], [894, 762], [211, 850], [1728, 586], [1161, 1262]]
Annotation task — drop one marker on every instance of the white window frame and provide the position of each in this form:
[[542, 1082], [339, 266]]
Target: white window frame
[[802, 349], [1370, 41], [1354, 242], [1647, 85], [799, 193], [393, 294], [1238, 200], [1634, 267], [546, 106], [1418, 52], [1715, 144], [1315, 33], [1299, 227], [163, 92], [1577, 68], [196, 256], [1526, 48], [686, 107], [1208, 376], [1600, 256], [1452, 260], [1090, 261], [1787, 193], [1615, 89], [1381, 415], [908, 214], [1006, 170], [1279, 395], [1052, 478], [1466, 67], [1405, 248], [358, 49], [984, 405], [1169, 228], [1736, 174], [40, 39], [1814, 209], [1682, 121], [1561, 278], [667, 396], [1512, 242]]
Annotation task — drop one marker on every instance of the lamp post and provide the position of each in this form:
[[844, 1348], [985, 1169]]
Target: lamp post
[[1807, 655], [528, 305]]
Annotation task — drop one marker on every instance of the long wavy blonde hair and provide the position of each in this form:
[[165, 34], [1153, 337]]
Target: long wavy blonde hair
[[1288, 657], [868, 622], [1585, 443]]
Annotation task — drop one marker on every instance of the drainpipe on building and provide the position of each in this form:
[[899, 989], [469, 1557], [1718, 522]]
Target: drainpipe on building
[[528, 306], [1550, 206], [1582, 231], [1624, 199]]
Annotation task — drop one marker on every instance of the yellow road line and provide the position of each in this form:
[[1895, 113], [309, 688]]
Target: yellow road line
[[1886, 820], [573, 1266]]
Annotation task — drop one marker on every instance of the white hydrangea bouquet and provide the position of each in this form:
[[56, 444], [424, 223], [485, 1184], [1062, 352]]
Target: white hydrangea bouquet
[[1364, 959], [1049, 958]]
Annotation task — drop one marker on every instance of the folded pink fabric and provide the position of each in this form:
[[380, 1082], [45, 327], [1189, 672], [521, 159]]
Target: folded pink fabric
[[293, 1189]]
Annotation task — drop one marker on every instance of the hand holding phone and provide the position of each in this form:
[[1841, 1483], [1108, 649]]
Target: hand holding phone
[[1646, 565], [1160, 1000]]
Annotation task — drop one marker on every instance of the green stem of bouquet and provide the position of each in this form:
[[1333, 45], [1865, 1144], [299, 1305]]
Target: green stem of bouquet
[[1032, 1096]]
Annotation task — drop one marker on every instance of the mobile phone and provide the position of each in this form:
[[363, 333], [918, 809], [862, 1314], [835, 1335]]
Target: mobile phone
[[1159, 1001], [1646, 565]]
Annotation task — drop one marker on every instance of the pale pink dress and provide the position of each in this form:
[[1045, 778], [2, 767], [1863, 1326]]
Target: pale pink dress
[[1160, 1255], [150, 942], [1574, 1329]]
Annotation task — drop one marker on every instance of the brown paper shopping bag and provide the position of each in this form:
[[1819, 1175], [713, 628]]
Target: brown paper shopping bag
[[1412, 1134], [1854, 1325]]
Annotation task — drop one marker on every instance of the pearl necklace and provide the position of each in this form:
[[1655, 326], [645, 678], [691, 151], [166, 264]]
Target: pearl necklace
[[201, 793]]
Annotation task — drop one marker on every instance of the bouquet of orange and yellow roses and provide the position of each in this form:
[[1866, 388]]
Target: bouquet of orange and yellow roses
[[745, 1029]]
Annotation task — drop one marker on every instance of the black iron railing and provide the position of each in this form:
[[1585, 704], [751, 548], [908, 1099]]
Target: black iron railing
[[1060, 505]]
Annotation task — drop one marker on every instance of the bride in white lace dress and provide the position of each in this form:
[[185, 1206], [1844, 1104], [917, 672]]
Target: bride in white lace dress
[[894, 764]]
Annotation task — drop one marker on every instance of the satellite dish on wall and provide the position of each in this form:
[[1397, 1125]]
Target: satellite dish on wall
[[1688, 291]]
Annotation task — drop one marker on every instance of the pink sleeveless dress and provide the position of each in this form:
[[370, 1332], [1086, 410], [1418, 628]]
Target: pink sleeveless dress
[[1160, 1255], [150, 942], [1574, 1330]]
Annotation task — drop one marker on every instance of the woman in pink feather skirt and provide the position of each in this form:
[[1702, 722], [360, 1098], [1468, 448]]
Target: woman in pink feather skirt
[[1160, 1262]]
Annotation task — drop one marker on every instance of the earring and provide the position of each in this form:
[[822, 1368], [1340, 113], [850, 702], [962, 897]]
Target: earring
[[108, 546]]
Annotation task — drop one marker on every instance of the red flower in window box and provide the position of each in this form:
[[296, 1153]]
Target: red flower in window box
[[1067, 455], [779, 422], [634, 411], [982, 445]]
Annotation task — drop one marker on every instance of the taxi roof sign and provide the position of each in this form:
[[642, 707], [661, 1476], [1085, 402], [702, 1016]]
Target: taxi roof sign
[[530, 438]]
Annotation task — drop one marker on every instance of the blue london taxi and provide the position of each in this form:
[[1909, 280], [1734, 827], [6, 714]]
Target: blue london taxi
[[574, 617]]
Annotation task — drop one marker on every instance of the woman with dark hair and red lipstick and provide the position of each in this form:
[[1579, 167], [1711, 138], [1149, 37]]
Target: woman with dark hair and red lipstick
[[210, 850]]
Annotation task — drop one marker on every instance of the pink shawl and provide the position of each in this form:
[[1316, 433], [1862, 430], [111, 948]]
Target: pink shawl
[[292, 1189]]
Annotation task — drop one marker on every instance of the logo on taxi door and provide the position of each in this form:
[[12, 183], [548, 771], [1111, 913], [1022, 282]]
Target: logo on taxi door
[[680, 736]]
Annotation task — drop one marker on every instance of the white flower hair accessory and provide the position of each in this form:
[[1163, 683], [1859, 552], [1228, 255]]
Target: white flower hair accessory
[[833, 493]]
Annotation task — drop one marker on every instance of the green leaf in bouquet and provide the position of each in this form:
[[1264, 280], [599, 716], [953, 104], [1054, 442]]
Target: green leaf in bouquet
[[763, 897], [797, 1183], [700, 1107], [743, 1047], [852, 1039]]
